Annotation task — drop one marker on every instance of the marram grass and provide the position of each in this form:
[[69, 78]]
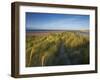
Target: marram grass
[[63, 48]]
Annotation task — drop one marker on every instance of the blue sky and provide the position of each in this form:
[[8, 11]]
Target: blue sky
[[56, 21]]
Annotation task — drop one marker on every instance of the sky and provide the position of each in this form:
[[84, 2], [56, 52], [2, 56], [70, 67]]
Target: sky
[[52, 21]]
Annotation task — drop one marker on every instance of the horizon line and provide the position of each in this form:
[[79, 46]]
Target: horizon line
[[57, 29]]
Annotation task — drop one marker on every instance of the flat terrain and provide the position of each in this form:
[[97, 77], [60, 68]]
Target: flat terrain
[[52, 48], [46, 32]]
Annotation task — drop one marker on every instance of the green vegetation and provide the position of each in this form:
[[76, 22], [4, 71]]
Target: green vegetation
[[62, 48]]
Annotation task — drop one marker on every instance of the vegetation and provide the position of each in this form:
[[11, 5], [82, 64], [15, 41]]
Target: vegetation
[[62, 48]]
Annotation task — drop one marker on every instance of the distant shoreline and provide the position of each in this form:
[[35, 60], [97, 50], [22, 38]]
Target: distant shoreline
[[46, 32]]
